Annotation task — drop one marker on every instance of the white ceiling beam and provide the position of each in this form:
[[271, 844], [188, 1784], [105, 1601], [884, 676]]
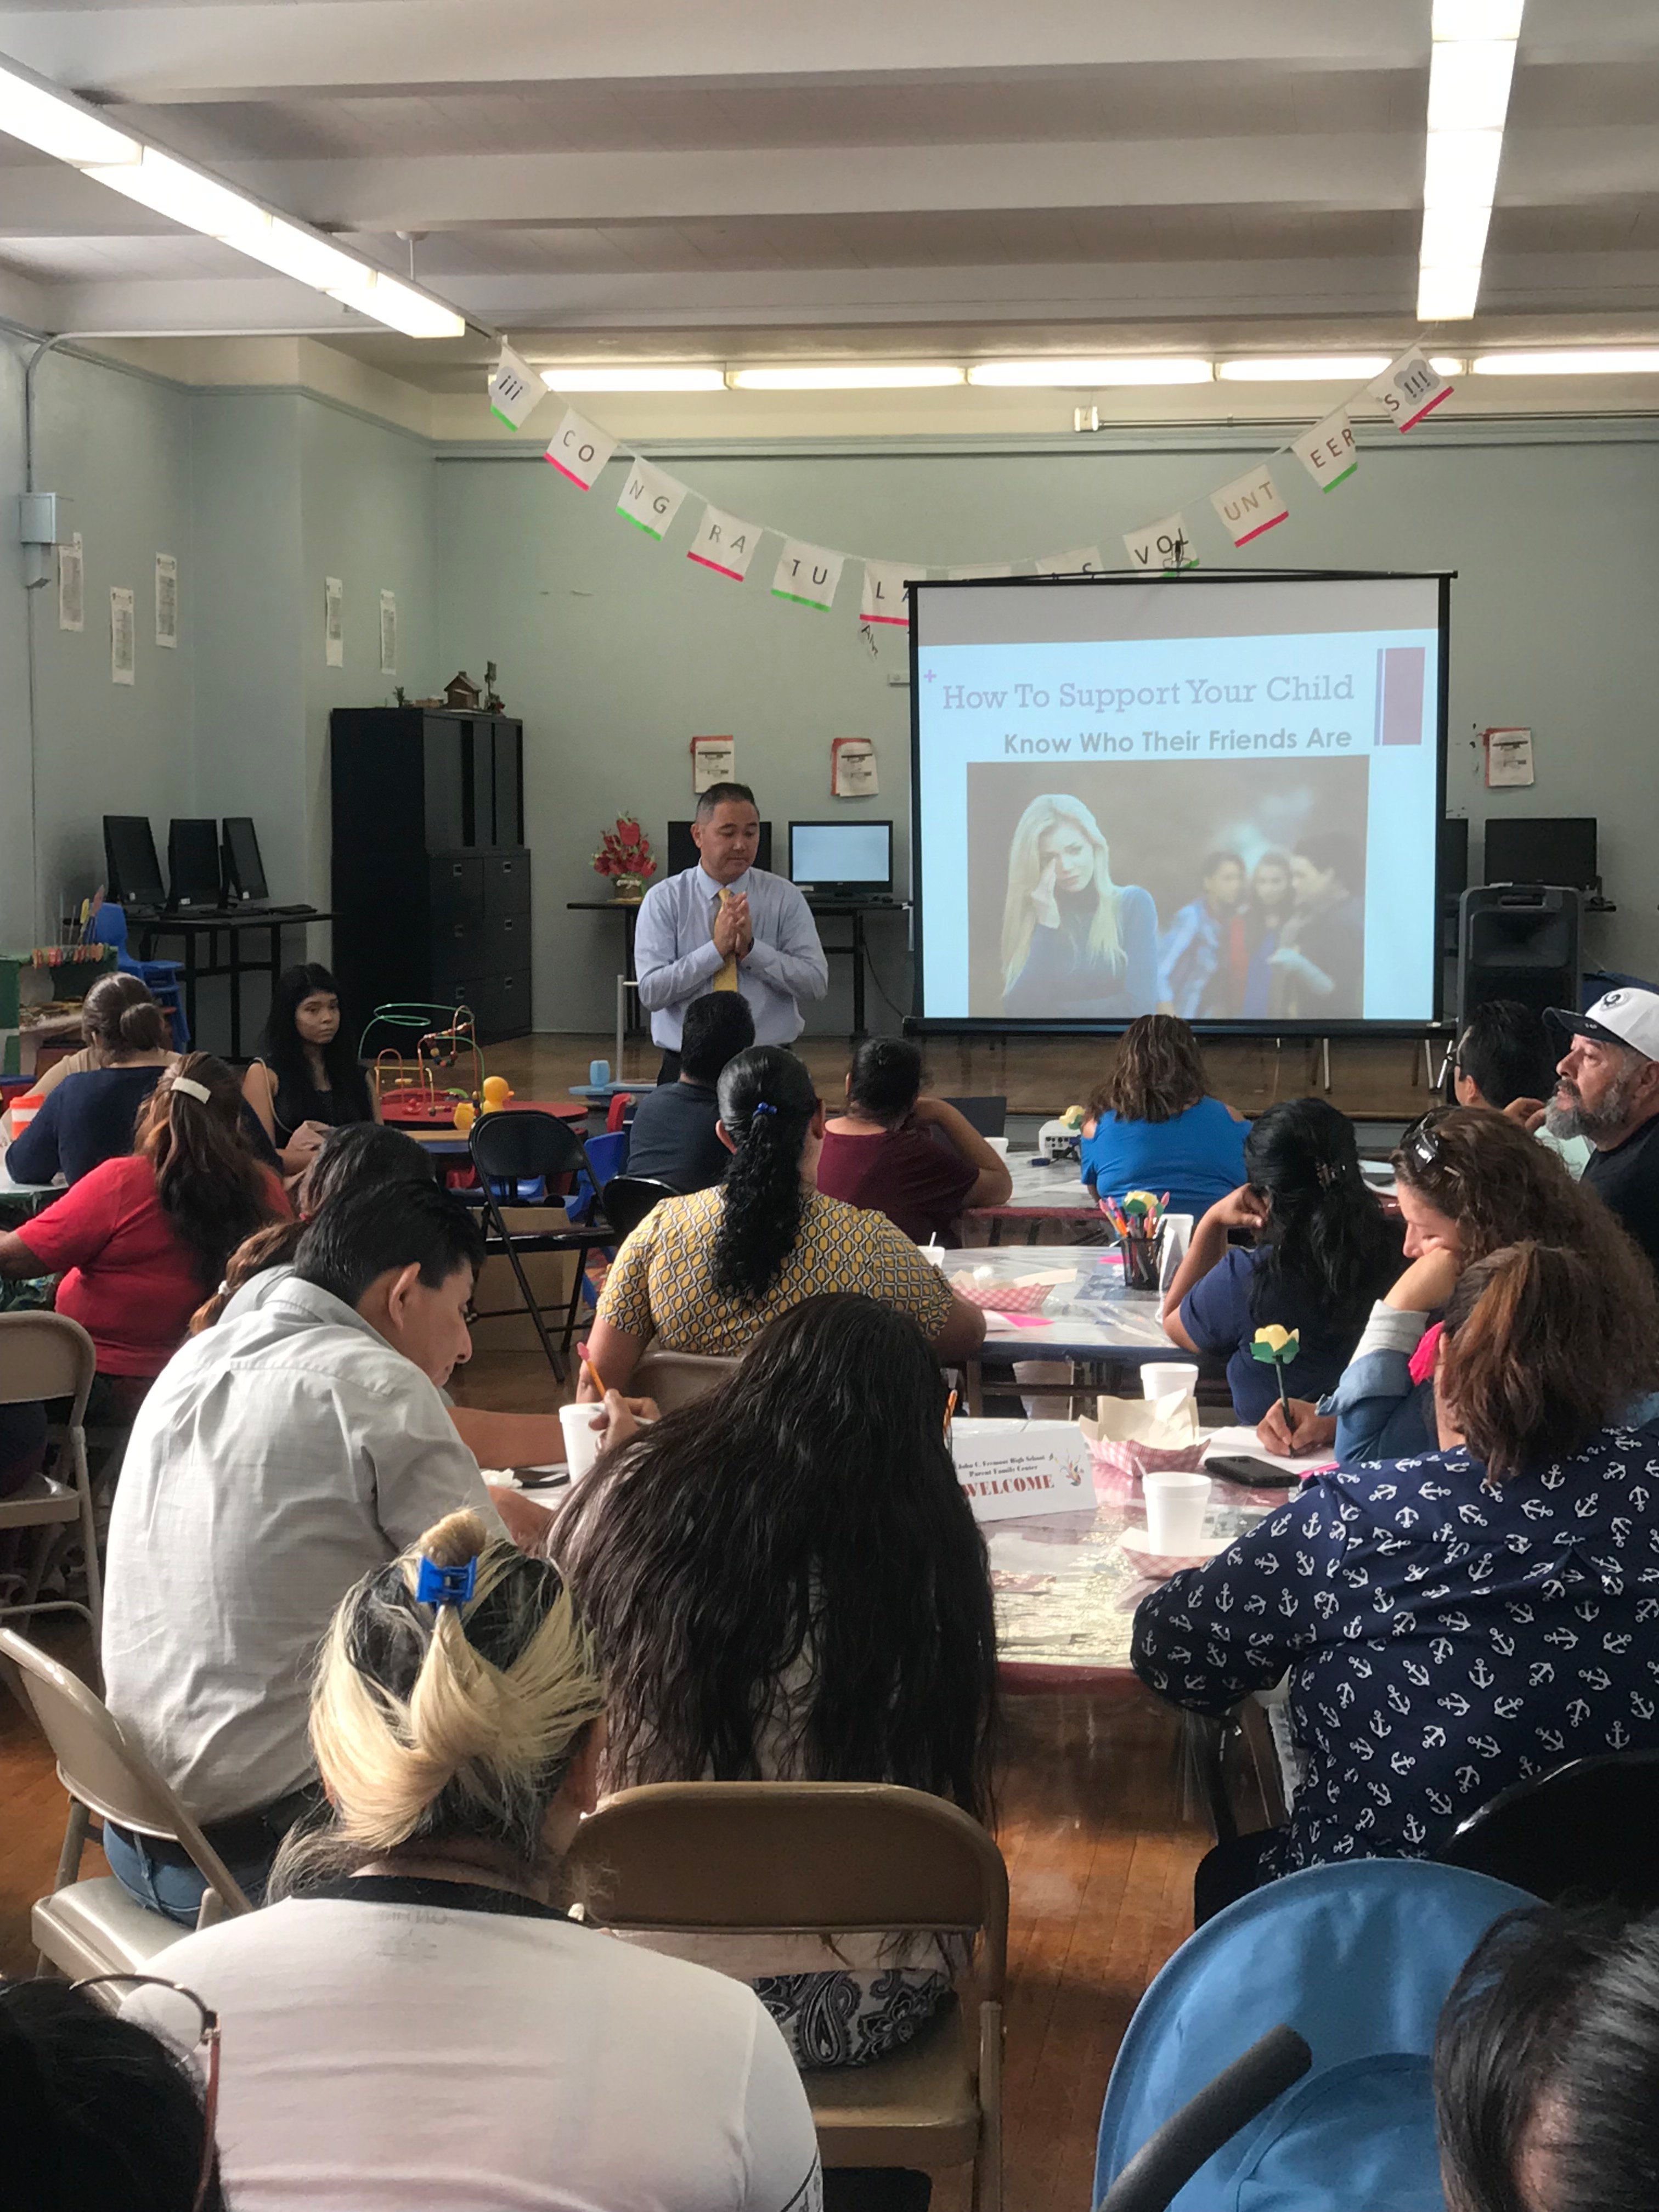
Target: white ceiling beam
[[236, 51]]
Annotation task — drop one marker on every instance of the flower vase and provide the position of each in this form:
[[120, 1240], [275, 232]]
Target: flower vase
[[626, 888]]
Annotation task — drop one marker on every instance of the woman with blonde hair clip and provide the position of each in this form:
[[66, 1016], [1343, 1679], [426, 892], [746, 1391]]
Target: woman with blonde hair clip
[[417, 2023], [1076, 946]]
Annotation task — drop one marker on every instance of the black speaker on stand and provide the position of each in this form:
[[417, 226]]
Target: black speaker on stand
[[1518, 941]]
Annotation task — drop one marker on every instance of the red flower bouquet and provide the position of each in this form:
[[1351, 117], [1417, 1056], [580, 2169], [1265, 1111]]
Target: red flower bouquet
[[625, 851]]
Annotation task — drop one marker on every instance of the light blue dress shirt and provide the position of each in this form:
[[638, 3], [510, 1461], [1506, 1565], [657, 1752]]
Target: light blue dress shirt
[[675, 958]]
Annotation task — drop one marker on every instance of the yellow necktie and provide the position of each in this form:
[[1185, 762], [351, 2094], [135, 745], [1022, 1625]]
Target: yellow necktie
[[727, 978]]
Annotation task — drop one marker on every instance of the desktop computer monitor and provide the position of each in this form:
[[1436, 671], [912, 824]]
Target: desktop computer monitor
[[132, 874], [845, 860], [193, 862], [244, 869], [683, 853], [1540, 849]]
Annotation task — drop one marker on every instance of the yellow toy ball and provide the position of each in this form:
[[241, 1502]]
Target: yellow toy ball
[[465, 1115], [496, 1092]]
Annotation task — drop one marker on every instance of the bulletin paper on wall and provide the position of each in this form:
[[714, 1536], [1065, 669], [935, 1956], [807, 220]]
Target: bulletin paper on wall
[[167, 600], [333, 622], [72, 584], [1509, 758], [852, 769], [388, 633], [121, 638], [713, 761]]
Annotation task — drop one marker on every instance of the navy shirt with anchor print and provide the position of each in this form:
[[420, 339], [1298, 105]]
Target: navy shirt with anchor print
[[1445, 1635]]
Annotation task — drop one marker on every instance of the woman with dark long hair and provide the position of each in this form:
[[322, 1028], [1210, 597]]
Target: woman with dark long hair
[[309, 1080], [883, 1151], [141, 1240], [1323, 1251], [1453, 1621], [705, 1274], [786, 1581], [88, 1117], [1153, 1125]]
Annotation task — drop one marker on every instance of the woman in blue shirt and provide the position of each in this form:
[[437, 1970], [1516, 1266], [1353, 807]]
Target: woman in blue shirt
[[1453, 1623], [1153, 1125], [1324, 1251], [89, 1117]]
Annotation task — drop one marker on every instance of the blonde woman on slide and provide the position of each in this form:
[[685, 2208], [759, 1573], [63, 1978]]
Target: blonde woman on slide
[[1076, 946]]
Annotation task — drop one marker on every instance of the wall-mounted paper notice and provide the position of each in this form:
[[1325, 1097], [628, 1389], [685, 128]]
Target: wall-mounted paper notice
[[333, 622], [713, 760], [852, 769], [1164, 546], [388, 633], [167, 600], [1081, 561], [514, 390], [72, 584], [1509, 758], [723, 544], [121, 638]]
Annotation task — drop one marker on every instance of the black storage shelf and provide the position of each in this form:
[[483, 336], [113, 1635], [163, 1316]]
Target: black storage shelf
[[431, 873]]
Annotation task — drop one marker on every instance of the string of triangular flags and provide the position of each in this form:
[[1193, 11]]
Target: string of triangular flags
[[810, 575]]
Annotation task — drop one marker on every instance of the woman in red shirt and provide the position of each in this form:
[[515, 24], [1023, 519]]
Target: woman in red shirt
[[140, 1241]]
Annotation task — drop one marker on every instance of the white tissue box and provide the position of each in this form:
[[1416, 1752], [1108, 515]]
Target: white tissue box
[[1013, 1469]]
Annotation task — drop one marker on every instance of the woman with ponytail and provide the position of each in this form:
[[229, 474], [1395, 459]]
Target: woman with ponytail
[[1456, 1621], [88, 1115], [416, 1991], [141, 1240], [1323, 1250], [705, 1274]]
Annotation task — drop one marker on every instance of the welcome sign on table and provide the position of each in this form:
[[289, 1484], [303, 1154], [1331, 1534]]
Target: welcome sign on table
[[1011, 1469]]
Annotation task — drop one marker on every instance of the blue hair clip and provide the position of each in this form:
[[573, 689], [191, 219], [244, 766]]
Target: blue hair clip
[[763, 1108], [436, 1585]]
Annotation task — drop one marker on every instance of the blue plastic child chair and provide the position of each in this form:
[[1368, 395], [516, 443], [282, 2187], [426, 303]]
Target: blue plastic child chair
[[109, 926]]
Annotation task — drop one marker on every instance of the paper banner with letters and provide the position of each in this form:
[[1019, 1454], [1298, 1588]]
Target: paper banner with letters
[[713, 760], [725, 545], [1409, 389], [650, 499], [1161, 546], [580, 450], [1081, 561], [1249, 505], [852, 769], [808, 574], [885, 599], [1328, 450], [514, 390]]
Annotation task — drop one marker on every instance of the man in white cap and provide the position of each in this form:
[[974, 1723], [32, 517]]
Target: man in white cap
[[1606, 1088]]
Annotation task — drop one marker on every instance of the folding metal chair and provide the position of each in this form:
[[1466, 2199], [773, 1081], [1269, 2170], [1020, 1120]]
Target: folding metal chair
[[93, 1927], [48, 1356], [518, 1147], [628, 1199]]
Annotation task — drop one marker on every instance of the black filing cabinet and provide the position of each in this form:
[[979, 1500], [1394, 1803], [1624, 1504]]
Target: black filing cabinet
[[431, 873]]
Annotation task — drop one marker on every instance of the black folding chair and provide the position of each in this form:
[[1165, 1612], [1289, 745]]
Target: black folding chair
[[522, 1146], [628, 1199], [1584, 1829]]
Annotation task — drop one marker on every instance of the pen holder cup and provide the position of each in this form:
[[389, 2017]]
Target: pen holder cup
[[1141, 1255]]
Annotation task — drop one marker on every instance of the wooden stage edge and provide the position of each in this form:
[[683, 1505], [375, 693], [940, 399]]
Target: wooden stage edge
[[1373, 1078]]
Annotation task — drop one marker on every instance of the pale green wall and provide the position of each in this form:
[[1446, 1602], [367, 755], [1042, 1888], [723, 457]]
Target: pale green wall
[[616, 650], [16, 838]]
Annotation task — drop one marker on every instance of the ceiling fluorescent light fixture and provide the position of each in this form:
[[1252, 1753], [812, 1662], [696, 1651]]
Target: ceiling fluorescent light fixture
[[36, 112], [667, 378], [1310, 368], [66, 129], [1629, 361], [1471, 68], [848, 376], [1056, 375]]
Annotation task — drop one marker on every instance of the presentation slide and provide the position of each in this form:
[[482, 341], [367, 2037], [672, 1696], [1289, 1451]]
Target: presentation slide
[[1206, 797]]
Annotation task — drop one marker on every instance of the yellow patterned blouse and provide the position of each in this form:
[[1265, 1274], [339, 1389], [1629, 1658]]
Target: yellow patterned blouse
[[660, 1285]]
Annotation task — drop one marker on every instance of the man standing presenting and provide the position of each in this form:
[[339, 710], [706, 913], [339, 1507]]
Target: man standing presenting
[[726, 924], [1607, 1090]]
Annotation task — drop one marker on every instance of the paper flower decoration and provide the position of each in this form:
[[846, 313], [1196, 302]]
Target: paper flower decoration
[[1276, 1347], [625, 851], [1073, 1118]]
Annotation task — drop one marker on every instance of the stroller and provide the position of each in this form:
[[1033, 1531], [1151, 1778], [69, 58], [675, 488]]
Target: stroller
[[1281, 2061]]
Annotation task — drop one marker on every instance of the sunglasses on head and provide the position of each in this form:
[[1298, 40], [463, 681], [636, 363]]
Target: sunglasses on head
[[1421, 1142]]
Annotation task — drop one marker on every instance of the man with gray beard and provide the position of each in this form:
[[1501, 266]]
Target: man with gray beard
[[1607, 1090]]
